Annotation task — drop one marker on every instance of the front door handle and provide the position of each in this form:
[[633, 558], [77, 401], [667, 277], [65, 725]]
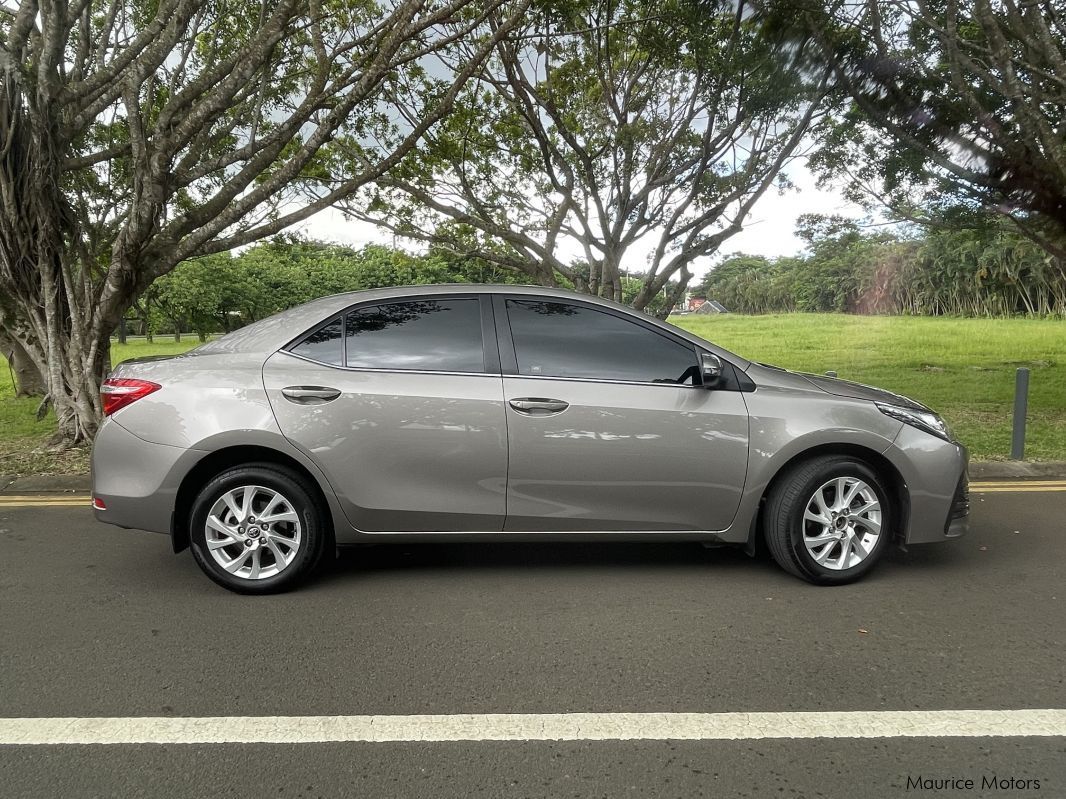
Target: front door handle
[[538, 405], [310, 395]]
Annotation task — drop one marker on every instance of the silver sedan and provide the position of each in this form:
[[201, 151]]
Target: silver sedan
[[443, 413]]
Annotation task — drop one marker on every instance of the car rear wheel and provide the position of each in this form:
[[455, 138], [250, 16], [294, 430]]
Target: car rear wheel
[[828, 520], [256, 529]]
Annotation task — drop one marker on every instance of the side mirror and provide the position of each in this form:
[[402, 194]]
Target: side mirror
[[711, 368]]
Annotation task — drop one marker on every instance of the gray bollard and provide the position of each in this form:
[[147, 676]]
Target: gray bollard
[[1021, 408]]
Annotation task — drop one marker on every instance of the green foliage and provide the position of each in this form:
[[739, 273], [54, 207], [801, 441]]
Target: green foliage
[[946, 108], [989, 271], [222, 292]]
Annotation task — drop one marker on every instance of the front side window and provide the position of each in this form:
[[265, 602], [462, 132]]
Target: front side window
[[555, 339], [434, 335]]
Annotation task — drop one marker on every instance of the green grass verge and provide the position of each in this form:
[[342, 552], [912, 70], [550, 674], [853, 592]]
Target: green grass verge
[[963, 368]]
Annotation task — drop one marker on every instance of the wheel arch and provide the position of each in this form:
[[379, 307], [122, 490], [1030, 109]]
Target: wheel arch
[[218, 461], [884, 468]]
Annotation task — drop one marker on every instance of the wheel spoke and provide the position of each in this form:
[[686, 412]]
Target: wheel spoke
[[821, 557], [817, 540], [279, 556], [287, 516], [840, 488], [222, 543], [869, 507], [290, 543], [860, 550], [868, 524], [246, 502], [849, 494], [254, 574], [808, 516], [845, 553], [219, 526], [230, 499], [236, 563], [819, 500], [275, 500]]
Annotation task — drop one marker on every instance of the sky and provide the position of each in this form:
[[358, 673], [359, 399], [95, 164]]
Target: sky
[[769, 230]]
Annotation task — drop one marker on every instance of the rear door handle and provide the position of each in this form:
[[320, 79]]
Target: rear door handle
[[538, 405], [310, 395]]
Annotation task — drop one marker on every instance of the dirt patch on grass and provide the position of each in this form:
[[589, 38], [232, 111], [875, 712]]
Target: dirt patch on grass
[[20, 458]]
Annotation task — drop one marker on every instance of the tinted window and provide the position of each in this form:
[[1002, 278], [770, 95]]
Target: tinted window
[[324, 344], [561, 340], [440, 335]]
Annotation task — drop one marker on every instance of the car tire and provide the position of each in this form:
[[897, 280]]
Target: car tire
[[828, 520], [262, 554]]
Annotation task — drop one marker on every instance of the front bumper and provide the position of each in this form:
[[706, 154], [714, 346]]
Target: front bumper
[[958, 522], [136, 479], [935, 478]]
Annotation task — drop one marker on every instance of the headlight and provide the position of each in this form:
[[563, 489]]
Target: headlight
[[924, 420]]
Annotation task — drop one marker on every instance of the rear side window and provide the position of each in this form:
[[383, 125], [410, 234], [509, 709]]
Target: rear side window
[[435, 335], [556, 339], [324, 345]]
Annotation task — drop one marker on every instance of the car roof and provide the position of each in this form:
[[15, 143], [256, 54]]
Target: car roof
[[274, 332]]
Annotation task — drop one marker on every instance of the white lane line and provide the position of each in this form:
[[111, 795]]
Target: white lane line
[[533, 727]]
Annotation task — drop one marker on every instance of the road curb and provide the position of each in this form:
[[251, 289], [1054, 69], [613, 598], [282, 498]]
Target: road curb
[[1015, 470], [46, 484]]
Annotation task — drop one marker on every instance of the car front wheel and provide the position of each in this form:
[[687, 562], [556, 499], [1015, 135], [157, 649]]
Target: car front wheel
[[256, 529], [828, 520]]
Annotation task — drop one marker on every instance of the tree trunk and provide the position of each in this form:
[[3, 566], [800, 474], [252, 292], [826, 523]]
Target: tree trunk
[[122, 330], [28, 379]]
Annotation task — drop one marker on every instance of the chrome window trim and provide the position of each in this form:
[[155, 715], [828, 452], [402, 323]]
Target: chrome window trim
[[374, 370]]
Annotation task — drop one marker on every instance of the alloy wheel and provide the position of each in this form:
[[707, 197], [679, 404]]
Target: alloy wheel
[[842, 523], [253, 532]]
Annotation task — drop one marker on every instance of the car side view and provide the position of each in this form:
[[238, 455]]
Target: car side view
[[432, 413]]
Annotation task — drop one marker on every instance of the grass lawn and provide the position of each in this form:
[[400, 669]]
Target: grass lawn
[[963, 368]]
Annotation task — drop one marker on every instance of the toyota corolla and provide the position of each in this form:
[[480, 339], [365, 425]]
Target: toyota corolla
[[447, 413]]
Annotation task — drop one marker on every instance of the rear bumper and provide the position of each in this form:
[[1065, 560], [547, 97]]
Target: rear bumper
[[137, 480]]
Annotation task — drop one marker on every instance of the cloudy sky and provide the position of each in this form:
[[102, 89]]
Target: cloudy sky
[[770, 229]]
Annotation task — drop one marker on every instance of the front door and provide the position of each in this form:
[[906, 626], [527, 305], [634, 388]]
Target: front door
[[609, 428], [396, 404]]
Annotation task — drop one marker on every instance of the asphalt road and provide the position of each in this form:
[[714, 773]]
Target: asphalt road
[[96, 621]]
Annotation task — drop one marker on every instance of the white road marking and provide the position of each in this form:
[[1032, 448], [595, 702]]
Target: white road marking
[[533, 727]]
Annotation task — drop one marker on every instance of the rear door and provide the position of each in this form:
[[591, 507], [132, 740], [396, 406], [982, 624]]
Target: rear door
[[609, 426], [401, 405]]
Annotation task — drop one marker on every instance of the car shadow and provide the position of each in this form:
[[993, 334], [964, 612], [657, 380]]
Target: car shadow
[[356, 561]]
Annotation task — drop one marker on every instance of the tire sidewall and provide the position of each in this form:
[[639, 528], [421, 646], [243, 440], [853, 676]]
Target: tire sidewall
[[303, 504], [817, 572]]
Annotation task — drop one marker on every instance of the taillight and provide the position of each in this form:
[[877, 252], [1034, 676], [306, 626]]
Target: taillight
[[118, 392]]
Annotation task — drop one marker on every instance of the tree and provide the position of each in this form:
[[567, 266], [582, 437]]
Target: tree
[[140, 134], [611, 127], [958, 108], [28, 381]]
